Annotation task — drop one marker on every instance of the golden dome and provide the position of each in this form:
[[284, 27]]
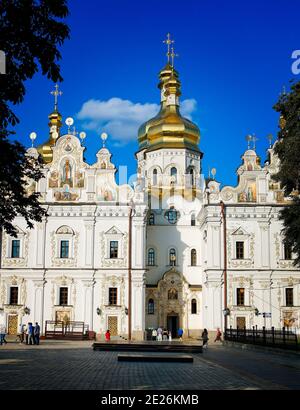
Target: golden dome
[[45, 149], [168, 129]]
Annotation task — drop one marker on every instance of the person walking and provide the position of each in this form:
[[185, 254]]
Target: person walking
[[107, 335], [37, 331], [180, 333], [204, 338], [2, 334], [170, 336], [154, 335], [218, 336]]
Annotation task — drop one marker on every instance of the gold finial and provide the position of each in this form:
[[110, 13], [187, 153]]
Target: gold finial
[[56, 93], [173, 55], [168, 41]]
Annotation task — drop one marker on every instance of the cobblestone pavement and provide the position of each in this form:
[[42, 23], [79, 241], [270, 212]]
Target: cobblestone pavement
[[74, 365]]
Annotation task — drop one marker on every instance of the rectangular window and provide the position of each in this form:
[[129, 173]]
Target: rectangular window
[[113, 253], [113, 296], [239, 250], [151, 220], [64, 249], [240, 296], [151, 257], [287, 252], [15, 248], [63, 296], [289, 296], [13, 295]]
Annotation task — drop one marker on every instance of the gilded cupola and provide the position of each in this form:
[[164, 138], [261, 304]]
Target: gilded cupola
[[169, 129], [55, 123]]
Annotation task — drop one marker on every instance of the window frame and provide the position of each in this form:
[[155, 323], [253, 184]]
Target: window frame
[[152, 304], [154, 176], [193, 257], [194, 306], [13, 241], [151, 219], [11, 290], [113, 296], [174, 219], [113, 250], [240, 296], [151, 259], [287, 252], [63, 293], [238, 251], [289, 295], [61, 248]]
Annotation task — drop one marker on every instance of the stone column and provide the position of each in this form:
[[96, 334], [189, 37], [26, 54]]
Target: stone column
[[138, 305]]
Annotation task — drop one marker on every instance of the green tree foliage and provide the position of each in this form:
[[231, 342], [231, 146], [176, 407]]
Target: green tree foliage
[[288, 150], [30, 33]]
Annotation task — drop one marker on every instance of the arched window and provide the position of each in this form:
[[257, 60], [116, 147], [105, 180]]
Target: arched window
[[150, 307], [172, 215], [194, 306], [151, 257], [151, 219], [192, 176], [193, 257], [174, 174], [154, 179], [172, 257], [193, 220]]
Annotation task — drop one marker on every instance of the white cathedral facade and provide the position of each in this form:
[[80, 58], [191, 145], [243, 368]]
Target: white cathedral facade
[[158, 253]]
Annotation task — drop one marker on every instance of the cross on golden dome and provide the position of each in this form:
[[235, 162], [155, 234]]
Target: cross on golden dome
[[56, 93], [168, 42], [173, 55]]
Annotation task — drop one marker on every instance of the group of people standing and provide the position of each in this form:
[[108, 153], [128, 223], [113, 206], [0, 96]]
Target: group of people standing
[[161, 334], [29, 334]]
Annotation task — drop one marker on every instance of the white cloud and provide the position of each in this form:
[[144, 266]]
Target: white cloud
[[122, 118]]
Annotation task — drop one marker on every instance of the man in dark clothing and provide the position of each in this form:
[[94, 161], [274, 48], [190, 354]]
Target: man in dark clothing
[[30, 334], [37, 330]]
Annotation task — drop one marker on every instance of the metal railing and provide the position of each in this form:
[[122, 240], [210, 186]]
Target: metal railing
[[60, 329], [282, 338]]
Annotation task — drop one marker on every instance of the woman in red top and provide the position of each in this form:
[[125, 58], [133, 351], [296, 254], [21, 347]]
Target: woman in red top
[[107, 336]]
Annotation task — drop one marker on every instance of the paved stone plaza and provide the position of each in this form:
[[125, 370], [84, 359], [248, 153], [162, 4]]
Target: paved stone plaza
[[74, 365]]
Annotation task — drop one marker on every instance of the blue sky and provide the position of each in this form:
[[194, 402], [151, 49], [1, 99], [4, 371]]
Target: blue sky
[[234, 58]]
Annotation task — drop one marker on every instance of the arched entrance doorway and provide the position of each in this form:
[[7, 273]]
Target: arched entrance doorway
[[173, 323]]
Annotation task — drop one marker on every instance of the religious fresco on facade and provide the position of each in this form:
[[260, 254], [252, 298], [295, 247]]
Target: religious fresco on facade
[[79, 180], [53, 180], [65, 194], [62, 316], [66, 175], [289, 318], [249, 194], [105, 193]]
